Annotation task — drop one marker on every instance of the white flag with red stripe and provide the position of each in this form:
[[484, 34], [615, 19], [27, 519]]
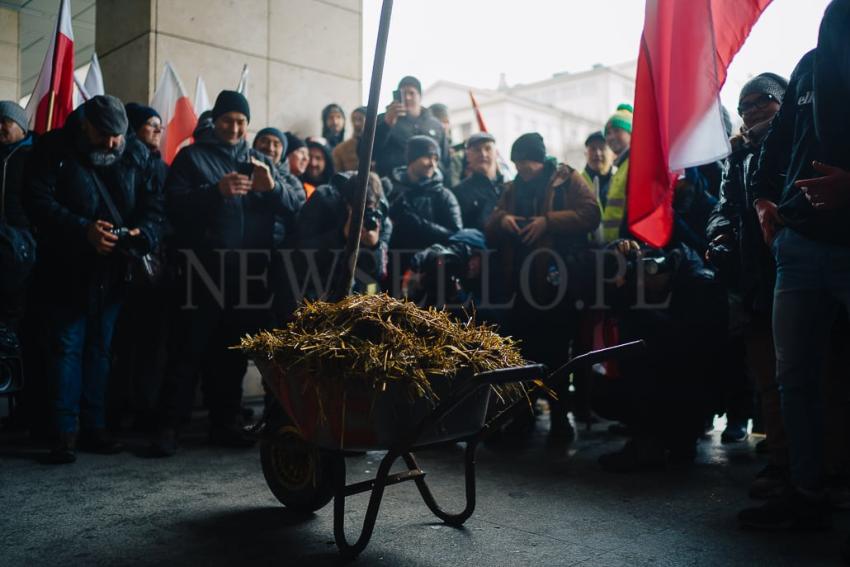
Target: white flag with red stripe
[[52, 98], [93, 84], [175, 108], [685, 52]]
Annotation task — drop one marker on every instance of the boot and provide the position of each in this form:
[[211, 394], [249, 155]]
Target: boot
[[165, 444], [64, 451], [99, 442]]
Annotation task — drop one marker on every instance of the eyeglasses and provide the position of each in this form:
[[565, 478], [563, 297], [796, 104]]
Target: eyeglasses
[[760, 103], [155, 125]]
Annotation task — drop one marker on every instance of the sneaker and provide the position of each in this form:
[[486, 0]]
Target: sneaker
[[638, 454], [771, 482], [165, 444], [98, 441], [64, 451], [790, 511], [231, 436], [735, 432]]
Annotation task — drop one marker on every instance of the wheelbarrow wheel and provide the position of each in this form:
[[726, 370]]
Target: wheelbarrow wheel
[[298, 474]]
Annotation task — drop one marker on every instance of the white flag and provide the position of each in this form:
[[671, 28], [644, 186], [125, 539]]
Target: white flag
[[243, 82], [202, 99]]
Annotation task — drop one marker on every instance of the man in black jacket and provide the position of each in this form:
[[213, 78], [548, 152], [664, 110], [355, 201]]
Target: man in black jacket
[[223, 200], [478, 194], [805, 168], [79, 179], [403, 119], [15, 145], [423, 211]]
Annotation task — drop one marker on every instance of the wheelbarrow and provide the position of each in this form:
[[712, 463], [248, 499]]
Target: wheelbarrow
[[303, 457]]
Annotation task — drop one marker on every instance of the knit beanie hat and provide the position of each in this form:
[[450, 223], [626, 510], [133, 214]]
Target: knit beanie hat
[[622, 118], [138, 114], [14, 112], [529, 147], [293, 143], [766, 83], [272, 131], [418, 146], [410, 81], [231, 101], [106, 113]]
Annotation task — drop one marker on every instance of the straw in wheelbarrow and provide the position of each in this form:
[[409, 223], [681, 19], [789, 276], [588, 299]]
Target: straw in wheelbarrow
[[370, 341]]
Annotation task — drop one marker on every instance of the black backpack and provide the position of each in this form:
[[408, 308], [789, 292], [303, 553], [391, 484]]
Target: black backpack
[[17, 247]]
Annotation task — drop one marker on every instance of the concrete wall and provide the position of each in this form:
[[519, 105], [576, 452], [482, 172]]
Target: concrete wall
[[301, 54], [10, 63]]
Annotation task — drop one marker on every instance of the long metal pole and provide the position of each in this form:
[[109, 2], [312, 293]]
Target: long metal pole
[[343, 284]]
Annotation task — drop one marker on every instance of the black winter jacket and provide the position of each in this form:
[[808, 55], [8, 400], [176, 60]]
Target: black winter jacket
[[203, 220], [477, 196], [320, 232], [787, 155], [736, 216], [423, 213], [391, 143], [13, 161], [62, 200], [284, 224]]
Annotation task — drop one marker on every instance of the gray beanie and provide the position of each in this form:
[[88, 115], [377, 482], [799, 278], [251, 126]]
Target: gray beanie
[[766, 83], [14, 112]]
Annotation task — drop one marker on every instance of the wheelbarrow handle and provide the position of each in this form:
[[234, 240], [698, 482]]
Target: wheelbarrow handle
[[617, 352], [509, 375]]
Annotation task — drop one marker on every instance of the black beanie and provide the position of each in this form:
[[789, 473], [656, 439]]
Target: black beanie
[[106, 113], [293, 143], [230, 101], [418, 146], [410, 81], [529, 147], [766, 83], [138, 114]]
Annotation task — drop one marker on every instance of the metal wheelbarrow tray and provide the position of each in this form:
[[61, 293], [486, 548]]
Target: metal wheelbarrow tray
[[303, 457]]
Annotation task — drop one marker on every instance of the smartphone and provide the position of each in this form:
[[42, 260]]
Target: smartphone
[[245, 168], [397, 95]]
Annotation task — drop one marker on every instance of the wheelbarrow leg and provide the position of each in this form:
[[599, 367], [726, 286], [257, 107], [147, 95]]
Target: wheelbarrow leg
[[347, 550], [452, 519]]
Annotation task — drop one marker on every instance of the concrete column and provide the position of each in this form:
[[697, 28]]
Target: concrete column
[[301, 54], [10, 61]]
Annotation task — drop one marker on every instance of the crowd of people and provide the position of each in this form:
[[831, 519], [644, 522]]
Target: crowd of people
[[145, 274]]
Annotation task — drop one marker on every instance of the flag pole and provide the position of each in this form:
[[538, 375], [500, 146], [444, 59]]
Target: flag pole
[[343, 284], [50, 105]]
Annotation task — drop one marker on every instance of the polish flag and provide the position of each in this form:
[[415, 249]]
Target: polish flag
[[685, 52], [202, 99], [53, 96], [175, 108], [93, 84]]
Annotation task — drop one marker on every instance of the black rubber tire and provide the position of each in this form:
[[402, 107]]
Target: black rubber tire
[[298, 474]]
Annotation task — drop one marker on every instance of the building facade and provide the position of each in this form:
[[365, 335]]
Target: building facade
[[563, 109], [292, 75]]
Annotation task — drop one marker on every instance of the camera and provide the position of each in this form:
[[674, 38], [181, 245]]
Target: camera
[[11, 362], [122, 232], [372, 219]]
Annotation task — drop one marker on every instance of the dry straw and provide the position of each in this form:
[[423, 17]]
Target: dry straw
[[371, 341]]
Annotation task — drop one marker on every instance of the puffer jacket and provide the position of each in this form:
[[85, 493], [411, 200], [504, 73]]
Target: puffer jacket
[[391, 142], [423, 213]]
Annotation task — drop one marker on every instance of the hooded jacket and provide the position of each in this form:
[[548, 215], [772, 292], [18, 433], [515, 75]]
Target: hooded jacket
[[391, 143], [203, 219], [571, 211], [62, 199], [792, 144], [423, 213]]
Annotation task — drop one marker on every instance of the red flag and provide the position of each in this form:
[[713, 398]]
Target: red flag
[[53, 96], [175, 108], [685, 52], [481, 126]]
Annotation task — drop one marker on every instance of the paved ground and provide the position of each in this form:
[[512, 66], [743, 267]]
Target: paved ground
[[212, 507]]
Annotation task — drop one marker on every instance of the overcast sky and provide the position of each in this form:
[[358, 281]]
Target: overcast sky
[[473, 41]]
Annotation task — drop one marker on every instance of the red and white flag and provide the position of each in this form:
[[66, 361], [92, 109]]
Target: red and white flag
[[175, 108], [52, 98], [202, 99], [93, 84], [685, 52]]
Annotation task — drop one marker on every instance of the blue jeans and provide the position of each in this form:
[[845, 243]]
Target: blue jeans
[[812, 283], [79, 361]]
